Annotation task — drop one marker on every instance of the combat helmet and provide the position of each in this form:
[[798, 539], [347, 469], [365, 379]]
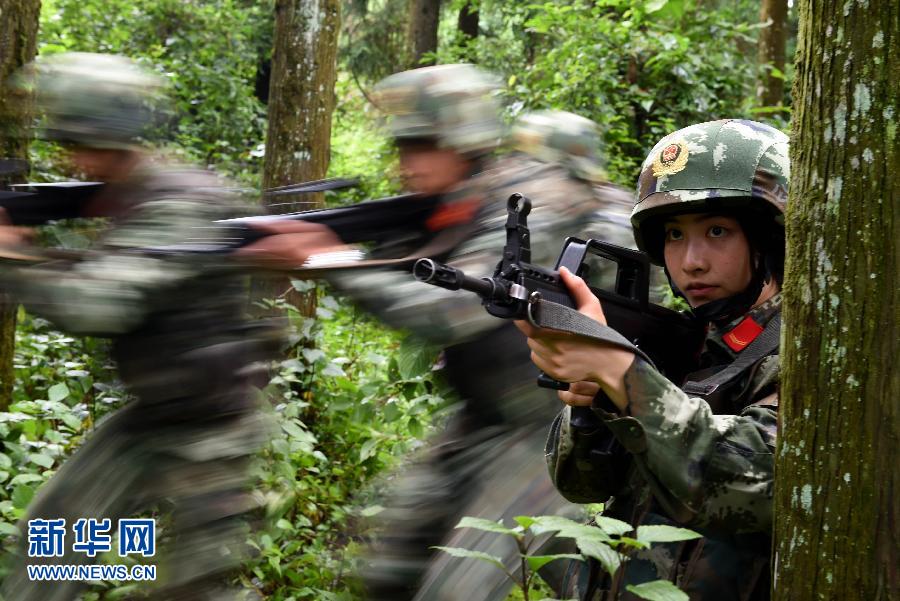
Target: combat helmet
[[454, 106], [731, 166], [564, 138], [94, 100]]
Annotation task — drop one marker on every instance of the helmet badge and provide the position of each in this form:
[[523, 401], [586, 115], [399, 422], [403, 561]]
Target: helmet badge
[[671, 159]]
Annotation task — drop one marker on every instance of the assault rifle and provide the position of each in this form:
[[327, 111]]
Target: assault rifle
[[404, 217], [517, 284], [32, 204]]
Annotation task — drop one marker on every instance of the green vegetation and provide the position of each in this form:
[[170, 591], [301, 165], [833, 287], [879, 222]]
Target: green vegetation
[[351, 399]]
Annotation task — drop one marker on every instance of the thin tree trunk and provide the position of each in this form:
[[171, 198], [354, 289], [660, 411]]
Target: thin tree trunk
[[837, 495], [467, 22], [771, 50], [424, 17], [19, 22], [301, 103]]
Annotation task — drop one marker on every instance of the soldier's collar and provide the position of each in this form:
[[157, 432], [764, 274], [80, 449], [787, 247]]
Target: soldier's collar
[[735, 336]]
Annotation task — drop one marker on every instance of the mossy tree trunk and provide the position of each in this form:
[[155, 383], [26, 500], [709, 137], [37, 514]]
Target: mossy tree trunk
[[837, 495], [424, 17], [771, 50], [19, 21], [301, 103]]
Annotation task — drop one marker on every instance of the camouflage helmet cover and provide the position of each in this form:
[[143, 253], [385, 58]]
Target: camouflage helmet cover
[[94, 100], [712, 166], [454, 105], [564, 138]]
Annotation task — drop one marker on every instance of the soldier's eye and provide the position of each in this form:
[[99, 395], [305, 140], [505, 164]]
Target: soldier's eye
[[717, 231], [673, 234]]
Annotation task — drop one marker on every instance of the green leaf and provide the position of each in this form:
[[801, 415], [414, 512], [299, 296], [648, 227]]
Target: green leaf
[[465, 553], [368, 449], [333, 369], [371, 510], [630, 542], [312, 354], [298, 433], [26, 479], [612, 526], [5, 461], [9, 529], [606, 555], [303, 285], [42, 460], [658, 590], [652, 6], [536, 562], [487, 526], [72, 421], [524, 521], [58, 392], [567, 528], [664, 534], [22, 496]]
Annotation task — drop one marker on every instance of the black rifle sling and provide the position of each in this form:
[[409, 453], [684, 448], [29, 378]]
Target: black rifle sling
[[762, 346], [547, 314]]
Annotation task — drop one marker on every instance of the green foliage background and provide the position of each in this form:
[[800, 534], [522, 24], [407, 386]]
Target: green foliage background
[[351, 399]]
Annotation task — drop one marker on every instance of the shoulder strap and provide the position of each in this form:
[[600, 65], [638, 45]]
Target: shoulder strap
[[762, 346]]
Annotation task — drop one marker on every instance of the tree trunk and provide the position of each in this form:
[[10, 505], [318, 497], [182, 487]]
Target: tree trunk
[[467, 21], [19, 21], [301, 102], [771, 45], [837, 515], [424, 16]]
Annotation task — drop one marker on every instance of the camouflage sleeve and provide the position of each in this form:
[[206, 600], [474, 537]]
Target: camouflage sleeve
[[587, 465], [704, 469], [111, 289], [450, 317]]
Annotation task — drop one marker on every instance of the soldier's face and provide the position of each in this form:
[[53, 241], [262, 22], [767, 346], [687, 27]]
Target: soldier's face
[[103, 164], [430, 170], [708, 256]]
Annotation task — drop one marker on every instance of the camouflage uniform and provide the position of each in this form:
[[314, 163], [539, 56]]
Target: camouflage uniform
[[487, 461], [183, 350], [702, 461]]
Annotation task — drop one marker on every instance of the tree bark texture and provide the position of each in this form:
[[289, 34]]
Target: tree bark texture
[[301, 101], [771, 50], [837, 494], [467, 22], [19, 21], [424, 17]]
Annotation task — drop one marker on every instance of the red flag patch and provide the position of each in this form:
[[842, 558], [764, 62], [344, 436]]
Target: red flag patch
[[743, 334], [455, 213]]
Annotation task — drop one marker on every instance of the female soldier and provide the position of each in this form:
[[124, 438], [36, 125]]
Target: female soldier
[[710, 208]]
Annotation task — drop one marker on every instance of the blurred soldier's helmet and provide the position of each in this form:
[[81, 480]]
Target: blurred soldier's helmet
[[452, 106], [729, 167], [563, 138], [95, 100]]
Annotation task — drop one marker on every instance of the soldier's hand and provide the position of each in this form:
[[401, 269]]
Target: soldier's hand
[[13, 235], [571, 358], [290, 244], [579, 394]]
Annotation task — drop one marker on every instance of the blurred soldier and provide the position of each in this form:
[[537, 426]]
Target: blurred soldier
[[488, 462], [710, 208], [183, 349], [572, 141]]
